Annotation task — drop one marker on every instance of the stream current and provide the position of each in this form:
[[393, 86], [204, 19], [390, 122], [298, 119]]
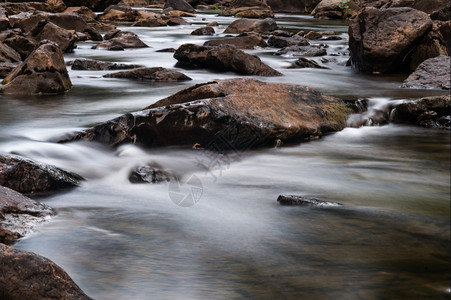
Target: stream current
[[389, 240]]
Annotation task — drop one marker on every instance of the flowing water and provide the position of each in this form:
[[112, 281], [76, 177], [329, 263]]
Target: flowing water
[[389, 240]]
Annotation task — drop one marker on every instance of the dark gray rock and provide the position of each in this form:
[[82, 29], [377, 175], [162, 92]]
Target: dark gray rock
[[432, 73], [303, 62], [26, 176], [95, 65], [251, 25], [154, 74], [48, 31], [207, 30], [243, 41], [294, 200], [281, 41], [178, 5], [95, 5], [26, 275], [224, 58], [150, 174], [308, 51]]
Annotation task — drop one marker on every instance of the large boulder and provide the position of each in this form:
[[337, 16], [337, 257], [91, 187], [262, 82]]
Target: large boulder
[[293, 6], [334, 9], [49, 31], [432, 112], [223, 58], [16, 7], [120, 40], [9, 55], [95, 5], [27, 21], [153, 74], [227, 114], [43, 72], [381, 40], [18, 215], [250, 25], [181, 5], [26, 176], [254, 9], [26, 275], [432, 73], [243, 41], [21, 43]]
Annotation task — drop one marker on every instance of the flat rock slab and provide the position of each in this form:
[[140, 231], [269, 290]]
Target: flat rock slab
[[432, 73], [26, 275], [95, 65], [154, 74], [26, 176], [244, 41], [294, 200], [229, 114], [252, 25]]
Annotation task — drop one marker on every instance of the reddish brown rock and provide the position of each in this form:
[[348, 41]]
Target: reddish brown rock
[[243, 41], [250, 25]]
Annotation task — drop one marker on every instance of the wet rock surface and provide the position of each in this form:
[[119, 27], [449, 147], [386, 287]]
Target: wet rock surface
[[154, 74], [26, 275], [207, 30], [294, 200], [223, 57], [18, 215], [432, 73], [281, 41], [43, 72], [26, 176], [242, 41], [251, 25], [150, 174], [246, 112], [380, 40], [309, 51], [120, 42], [95, 65]]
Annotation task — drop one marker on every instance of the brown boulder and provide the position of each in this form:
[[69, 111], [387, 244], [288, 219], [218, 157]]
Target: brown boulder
[[18, 215], [432, 73], [331, 9], [223, 58], [4, 21], [7, 54], [26, 176], [6, 68], [121, 41], [249, 25], [154, 74], [81, 10], [119, 13], [95, 5], [27, 21], [179, 5], [243, 41], [309, 51], [49, 31], [17, 7], [227, 114], [381, 40], [426, 112], [293, 6], [43, 72], [282, 41], [26, 275], [207, 30], [22, 44]]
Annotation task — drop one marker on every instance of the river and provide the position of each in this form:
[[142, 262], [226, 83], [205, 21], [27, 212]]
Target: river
[[389, 240]]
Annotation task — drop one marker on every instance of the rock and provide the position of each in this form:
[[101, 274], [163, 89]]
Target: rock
[[9, 55], [227, 114], [432, 73], [81, 10], [281, 41], [26, 176], [243, 41], [95, 5], [380, 40], [154, 74], [26, 275], [248, 25], [293, 6], [48, 31], [18, 215], [330, 9], [6, 68], [95, 65], [255, 13], [207, 30], [150, 174], [21, 44], [93, 34], [159, 20], [13, 8], [253, 9], [179, 13], [43, 72], [432, 45], [121, 41], [313, 35], [309, 51], [427, 112], [303, 62], [118, 13], [179, 5], [213, 24], [223, 58], [304, 201], [4, 21], [28, 21]]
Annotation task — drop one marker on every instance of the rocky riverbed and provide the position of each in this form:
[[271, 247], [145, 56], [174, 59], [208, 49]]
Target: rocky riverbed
[[229, 84]]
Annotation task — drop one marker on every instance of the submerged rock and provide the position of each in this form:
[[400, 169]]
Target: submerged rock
[[26, 275], [223, 58], [228, 114], [150, 174], [432, 73], [43, 72], [95, 65], [18, 215], [304, 201], [26, 176], [155, 74], [380, 40]]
